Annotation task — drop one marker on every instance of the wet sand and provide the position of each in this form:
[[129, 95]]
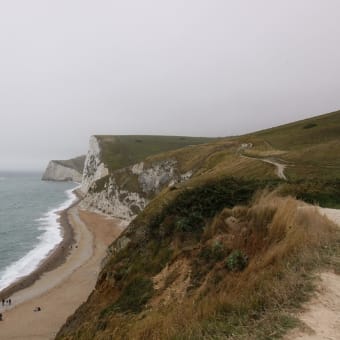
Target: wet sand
[[60, 291]]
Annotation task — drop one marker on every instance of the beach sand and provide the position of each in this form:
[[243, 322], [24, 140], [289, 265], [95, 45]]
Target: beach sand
[[62, 289]]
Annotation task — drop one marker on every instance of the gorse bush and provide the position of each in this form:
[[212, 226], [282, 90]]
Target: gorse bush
[[215, 253], [191, 210], [218, 251], [190, 223], [236, 261]]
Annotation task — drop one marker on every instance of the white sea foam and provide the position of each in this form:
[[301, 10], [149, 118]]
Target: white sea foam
[[49, 239]]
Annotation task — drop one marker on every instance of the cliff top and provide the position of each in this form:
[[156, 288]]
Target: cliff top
[[121, 151]]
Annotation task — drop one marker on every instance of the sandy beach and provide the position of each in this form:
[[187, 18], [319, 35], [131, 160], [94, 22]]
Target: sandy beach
[[63, 282]]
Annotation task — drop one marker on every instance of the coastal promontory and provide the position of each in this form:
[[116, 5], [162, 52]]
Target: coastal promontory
[[65, 170]]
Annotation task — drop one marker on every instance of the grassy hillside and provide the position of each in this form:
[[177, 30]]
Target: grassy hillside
[[307, 132], [121, 151], [211, 262], [230, 253], [309, 147]]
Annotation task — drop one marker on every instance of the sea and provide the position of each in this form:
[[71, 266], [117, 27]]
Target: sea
[[29, 227]]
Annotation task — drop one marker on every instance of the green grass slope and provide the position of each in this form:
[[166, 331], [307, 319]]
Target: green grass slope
[[309, 147], [122, 151], [316, 130]]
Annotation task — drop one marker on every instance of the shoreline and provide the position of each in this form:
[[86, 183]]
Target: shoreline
[[60, 291], [55, 258]]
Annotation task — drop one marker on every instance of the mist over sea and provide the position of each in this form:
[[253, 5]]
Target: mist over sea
[[28, 221]]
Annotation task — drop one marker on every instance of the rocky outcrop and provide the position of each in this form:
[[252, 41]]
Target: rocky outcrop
[[126, 192], [94, 168], [68, 170]]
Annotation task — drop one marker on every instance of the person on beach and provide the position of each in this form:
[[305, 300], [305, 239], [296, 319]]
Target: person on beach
[[0, 316], [9, 301], [3, 302]]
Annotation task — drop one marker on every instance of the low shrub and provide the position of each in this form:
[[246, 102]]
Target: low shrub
[[310, 125], [190, 223], [236, 261], [135, 295]]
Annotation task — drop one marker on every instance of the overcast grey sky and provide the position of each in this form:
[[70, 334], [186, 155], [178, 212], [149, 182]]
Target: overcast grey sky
[[73, 68]]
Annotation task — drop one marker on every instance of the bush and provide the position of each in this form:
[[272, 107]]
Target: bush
[[310, 125], [190, 223], [218, 251], [236, 261], [135, 295], [192, 209], [325, 193], [120, 273], [213, 253]]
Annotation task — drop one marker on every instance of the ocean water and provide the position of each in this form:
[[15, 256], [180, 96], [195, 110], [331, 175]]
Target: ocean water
[[28, 221]]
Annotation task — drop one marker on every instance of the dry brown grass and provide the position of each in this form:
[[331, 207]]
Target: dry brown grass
[[284, 241]]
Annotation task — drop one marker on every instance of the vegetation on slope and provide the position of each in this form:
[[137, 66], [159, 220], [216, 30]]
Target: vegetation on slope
[[205, 266], [309, 147], [307, 132], [228, 254], [322, 192], [121, 151]]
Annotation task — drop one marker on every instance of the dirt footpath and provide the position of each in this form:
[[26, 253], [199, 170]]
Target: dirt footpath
[[321, 315]]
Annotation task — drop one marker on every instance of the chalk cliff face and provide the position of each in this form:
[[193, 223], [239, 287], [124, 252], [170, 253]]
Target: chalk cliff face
[[69, 170], [126, 192], [94, 168]]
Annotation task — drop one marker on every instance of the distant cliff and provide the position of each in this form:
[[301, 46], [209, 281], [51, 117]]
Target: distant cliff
[[66, 170]]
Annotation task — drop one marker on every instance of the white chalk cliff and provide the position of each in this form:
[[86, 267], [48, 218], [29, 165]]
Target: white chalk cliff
[[122, 193], [125, 192], [70, 170], [94, 168]]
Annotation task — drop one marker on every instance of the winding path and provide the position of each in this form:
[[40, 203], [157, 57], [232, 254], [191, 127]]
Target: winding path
[[280, 168]]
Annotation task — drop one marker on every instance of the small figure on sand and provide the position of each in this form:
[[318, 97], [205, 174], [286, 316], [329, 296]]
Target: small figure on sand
[[37, 309], [1, 317], [9, 302], [3, 302]]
